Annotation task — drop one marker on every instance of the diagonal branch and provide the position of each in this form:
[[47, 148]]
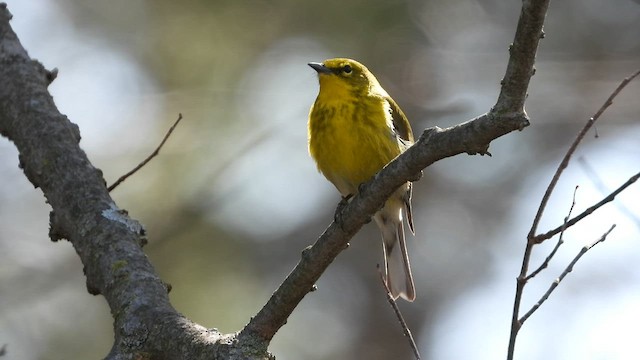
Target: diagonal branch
[[602, 188], [533, 240], [565, 161], [566, 272], [542, 237], [403, 323], [108, 241], [148, 158], [471, 137]]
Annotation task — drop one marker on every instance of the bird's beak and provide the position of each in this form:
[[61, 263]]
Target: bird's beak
[[320, 68]]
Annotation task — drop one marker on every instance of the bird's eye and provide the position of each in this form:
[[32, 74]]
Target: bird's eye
[[346, 69]]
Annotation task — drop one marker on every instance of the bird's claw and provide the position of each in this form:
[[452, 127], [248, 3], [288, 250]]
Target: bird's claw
[[337, 217]]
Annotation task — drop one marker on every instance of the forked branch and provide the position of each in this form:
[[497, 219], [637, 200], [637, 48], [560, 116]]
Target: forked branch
[[566, 272], [532, 239]]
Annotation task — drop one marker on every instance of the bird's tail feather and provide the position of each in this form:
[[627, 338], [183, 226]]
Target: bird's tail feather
[[396, 259]]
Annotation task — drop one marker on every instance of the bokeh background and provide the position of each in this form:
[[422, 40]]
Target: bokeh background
[[233, 197]]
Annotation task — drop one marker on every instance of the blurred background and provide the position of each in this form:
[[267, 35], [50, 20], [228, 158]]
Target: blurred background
[[233, 197]]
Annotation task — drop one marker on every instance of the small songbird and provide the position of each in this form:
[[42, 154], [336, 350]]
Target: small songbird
[[355, 129]]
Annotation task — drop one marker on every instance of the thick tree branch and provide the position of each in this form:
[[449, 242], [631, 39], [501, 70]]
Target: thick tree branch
[[523, 56], [471, 137], [109, 242], [106, 239]]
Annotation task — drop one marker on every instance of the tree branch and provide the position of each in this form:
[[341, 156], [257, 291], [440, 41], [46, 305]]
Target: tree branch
[[566, 272], [547, 260], [396, 310], [549, 234], [523, 55], [565, 161], [148, 158], [106, 239], [471, 137], [602, 188], [532, 240]]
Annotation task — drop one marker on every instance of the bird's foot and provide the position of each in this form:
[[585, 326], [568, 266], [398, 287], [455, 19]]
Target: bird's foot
[[337, 217]]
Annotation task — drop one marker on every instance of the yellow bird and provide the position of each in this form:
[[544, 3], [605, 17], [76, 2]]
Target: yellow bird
[[355, 129]]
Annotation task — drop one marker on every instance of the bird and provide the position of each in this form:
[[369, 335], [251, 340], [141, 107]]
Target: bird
[[355, 128]]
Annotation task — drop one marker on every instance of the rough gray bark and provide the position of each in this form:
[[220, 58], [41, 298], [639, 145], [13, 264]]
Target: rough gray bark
[[109, 242]]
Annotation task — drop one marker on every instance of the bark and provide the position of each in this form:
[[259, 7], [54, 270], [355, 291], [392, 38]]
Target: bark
[[109, 242]]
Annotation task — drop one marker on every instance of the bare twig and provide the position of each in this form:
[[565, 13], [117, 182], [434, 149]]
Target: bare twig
[[599, 184], [532, 240], [542, 237], [151, 156], [546, 261], [572, 149], [403, 323], [566, 272]]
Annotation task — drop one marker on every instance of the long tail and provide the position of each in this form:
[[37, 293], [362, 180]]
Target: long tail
[[396, 258]]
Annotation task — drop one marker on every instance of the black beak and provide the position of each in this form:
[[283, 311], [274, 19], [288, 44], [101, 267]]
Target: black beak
[[320, 68]]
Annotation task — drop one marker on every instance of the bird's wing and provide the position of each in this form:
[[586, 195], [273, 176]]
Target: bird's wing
[[402, 128], [400, 123]]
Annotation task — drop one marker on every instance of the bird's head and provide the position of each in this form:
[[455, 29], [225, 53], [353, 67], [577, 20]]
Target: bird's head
[[345, 75]]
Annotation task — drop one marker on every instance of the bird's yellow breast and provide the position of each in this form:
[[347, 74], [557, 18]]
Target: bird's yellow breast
[[350, 136]]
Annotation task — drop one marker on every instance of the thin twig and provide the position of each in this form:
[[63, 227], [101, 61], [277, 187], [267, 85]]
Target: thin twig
[[542, 237], [546, 261], [566, 272], [521, 281], [145, 161], [599, 184], [403, 323], [572, 149]]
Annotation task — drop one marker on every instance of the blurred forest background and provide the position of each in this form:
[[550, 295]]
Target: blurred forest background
[[233, 197]]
